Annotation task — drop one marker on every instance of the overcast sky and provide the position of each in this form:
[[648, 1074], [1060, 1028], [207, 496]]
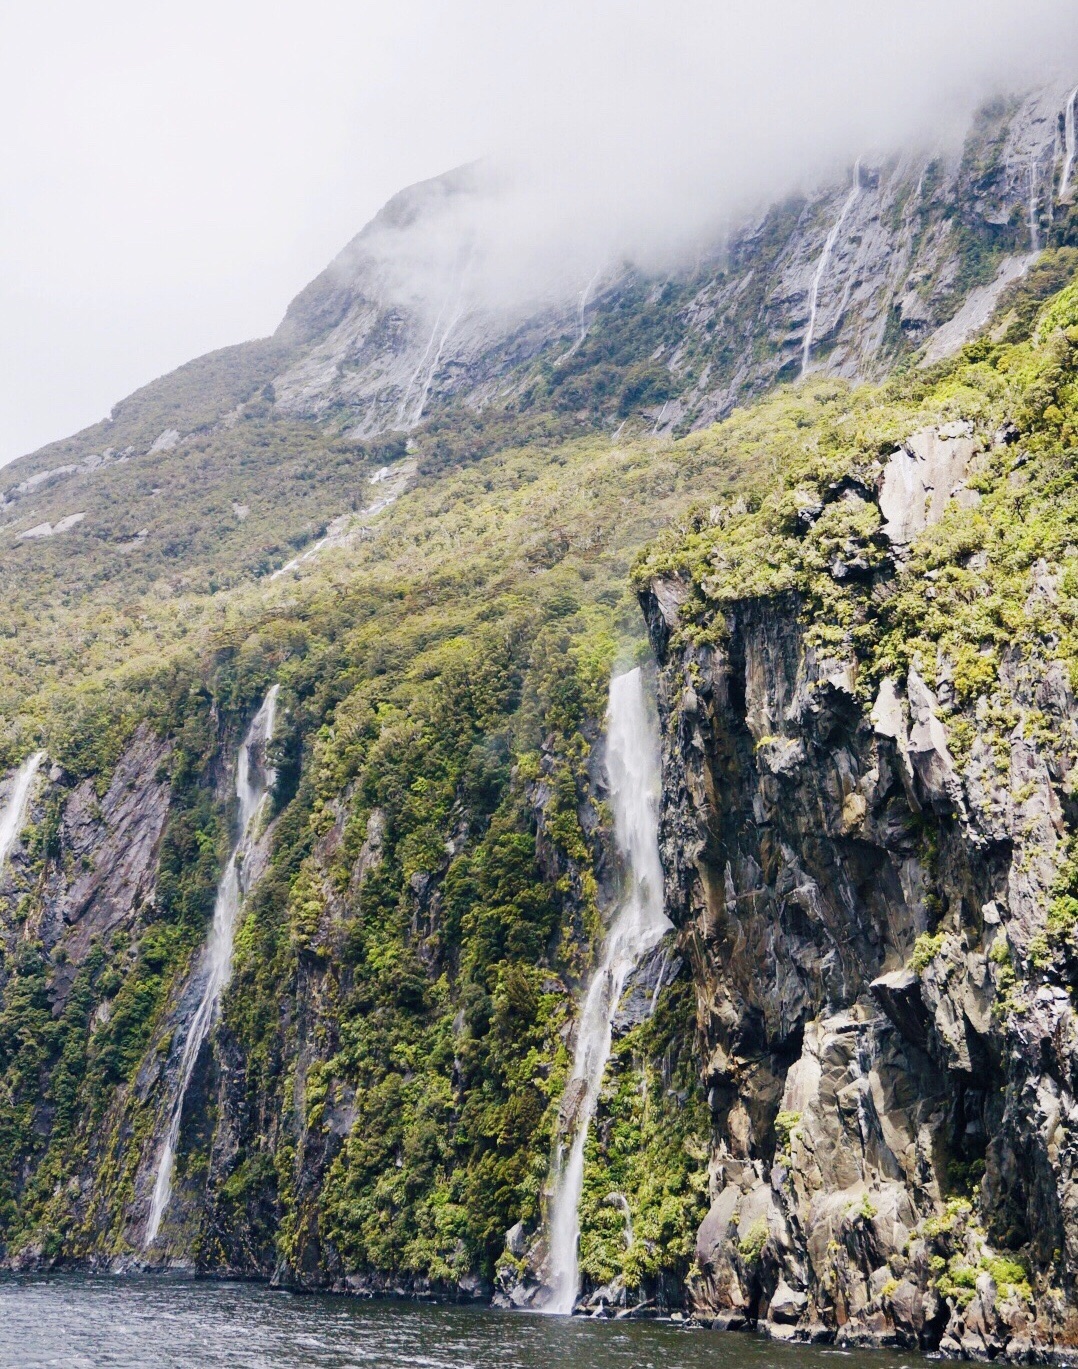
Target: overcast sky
[[172, 173]]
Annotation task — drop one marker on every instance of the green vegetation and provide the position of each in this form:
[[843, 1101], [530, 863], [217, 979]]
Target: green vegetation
[[1057, 946], [973, 588], [432, 903], [786, 1125], [649, 1143], [405, 971], [751, 1246], [925, 949]]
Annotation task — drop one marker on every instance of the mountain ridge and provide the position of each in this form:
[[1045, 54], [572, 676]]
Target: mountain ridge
[[1008, 170], [859, 619]]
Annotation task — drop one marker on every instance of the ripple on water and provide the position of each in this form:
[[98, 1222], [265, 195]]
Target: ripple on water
[[78, 1322]]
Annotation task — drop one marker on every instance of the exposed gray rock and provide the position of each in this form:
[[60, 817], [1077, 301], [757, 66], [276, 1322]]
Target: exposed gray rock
[[920, 477], [787, 1304], [976, 311], [853, 1085], [405, 318], [899, 995], [928, 749], [114, 843]]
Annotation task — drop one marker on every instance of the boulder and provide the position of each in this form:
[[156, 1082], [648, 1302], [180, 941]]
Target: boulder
[[787, 1304]]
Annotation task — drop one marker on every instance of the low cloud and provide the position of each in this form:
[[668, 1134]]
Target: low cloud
[[172, 179]]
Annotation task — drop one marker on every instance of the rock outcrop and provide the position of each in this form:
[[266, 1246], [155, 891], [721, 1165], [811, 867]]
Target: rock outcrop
[[892, 1103]]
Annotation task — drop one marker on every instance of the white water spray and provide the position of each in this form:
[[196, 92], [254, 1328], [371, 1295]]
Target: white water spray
[[821, 265], [1034, 233], [1068, 145], [253, 784], [13, 814], [632, 762]]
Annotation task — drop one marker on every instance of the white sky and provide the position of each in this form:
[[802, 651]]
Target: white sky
[[172, 173]]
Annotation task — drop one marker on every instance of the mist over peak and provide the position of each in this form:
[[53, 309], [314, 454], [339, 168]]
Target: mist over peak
[[209, 181]]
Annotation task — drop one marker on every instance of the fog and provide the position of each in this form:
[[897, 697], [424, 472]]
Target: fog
[[171, 175]]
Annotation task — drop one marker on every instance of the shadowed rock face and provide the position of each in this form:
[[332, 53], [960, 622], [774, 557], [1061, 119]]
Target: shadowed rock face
[[860, 1079]]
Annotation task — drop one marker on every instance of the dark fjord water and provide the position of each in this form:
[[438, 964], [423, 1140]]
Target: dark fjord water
[[160, 1323]]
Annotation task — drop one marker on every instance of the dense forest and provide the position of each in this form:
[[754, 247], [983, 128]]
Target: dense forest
[[854, 594]]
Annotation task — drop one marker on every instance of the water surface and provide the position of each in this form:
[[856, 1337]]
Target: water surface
[[79, 1322]]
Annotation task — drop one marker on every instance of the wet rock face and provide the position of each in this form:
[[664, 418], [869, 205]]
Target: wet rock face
[[110, 846], [851, 902]]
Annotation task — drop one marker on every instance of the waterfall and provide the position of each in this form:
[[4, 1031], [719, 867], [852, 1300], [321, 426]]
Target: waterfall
[[13, 814], [581, 318], [403, 406], [1034, 234], [632, 762], [254, 780], [1068, 145], [425, 392], [585, 295], [821, 265]]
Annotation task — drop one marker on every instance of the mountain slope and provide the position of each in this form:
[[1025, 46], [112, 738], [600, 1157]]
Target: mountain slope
[[858, 595]]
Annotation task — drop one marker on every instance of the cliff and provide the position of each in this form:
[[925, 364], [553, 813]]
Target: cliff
[[838, 1096], [868, 842]]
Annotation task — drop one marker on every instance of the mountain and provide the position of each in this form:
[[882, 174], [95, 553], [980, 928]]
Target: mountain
[[307, 834]]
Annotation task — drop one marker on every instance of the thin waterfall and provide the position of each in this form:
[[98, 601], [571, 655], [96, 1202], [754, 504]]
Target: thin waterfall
[[1034, 233], [821, 265], [585, 295], [403, 406], [254, 780], [1068, 145], [632, 762], [432, 369], [581, 317], [424, 394], [13, 814]]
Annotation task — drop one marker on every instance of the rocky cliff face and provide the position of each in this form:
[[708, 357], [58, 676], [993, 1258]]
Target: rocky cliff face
[[891, 1106]]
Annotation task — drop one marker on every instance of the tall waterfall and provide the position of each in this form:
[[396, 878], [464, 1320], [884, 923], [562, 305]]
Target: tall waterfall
[[1068, 145], [632, 762], [13, 813], [254, 780], [821, 265]]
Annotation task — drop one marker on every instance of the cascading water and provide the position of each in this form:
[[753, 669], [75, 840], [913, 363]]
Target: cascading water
[[632, 762], [424, 394], [1068, 145], [402, 408], [585, 295], [1034, 231], [13, 814], [253, 783], [821, 265]]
